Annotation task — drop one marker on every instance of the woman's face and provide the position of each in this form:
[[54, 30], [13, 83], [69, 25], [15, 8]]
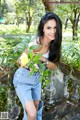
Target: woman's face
[[50, 30]]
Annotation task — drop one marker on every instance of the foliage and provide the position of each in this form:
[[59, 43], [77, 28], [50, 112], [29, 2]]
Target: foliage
[[3, 98], [11, 50], [71, 54], [67, 10], [28, 10], [3, 8], [37, 66], [71, 14]]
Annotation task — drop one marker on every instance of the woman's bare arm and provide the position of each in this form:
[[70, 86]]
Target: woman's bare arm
[[50, 64]]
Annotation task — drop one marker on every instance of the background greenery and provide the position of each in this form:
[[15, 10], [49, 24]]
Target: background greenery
[[18, 27]]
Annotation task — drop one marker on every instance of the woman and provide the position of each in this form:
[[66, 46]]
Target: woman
[[28, 88]]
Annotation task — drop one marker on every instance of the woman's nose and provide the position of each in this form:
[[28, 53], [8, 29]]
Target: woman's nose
[[53, 31]]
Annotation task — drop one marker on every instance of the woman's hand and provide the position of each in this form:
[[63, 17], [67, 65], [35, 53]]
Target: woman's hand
[[36, 66], [43, 59]]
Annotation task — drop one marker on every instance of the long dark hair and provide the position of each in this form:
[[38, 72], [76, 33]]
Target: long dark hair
[[55, 45]]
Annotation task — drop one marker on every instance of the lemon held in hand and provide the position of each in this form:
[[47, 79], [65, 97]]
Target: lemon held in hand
[[24, 59]]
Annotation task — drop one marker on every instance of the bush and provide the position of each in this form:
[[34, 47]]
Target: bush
[[71, 54]]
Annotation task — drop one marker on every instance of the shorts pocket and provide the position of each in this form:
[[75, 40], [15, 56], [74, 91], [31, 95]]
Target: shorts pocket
[[22, 75]]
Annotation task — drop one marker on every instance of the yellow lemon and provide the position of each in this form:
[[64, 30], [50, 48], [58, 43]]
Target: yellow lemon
[[24, 59]]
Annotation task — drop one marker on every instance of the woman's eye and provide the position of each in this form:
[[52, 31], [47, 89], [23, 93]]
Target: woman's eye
[[54, 27], [48, 27]]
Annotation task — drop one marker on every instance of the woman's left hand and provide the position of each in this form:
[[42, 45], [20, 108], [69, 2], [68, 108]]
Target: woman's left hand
[[36, 66], [43, 59]]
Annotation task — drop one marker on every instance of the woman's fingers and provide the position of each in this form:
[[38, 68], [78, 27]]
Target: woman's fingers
[[36, 66]]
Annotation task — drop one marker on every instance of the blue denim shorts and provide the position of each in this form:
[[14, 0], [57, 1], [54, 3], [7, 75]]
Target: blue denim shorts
[[28, 87]]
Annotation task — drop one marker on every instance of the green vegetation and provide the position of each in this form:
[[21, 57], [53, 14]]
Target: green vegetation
[[18, 25], [71, 54]]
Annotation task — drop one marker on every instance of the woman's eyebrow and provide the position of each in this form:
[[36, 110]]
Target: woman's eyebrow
[[51, 27]]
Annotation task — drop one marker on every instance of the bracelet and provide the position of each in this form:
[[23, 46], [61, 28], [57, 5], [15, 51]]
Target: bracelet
[[47, 62]]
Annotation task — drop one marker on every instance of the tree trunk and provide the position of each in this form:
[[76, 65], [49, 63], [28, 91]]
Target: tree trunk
[[28, 21], [75, 25], [17, 21], [0, 9], [28, 24], [74, 21], [74, 28], [49, 5]]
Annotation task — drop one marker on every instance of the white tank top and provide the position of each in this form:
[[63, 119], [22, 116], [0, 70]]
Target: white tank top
[[46, 55]]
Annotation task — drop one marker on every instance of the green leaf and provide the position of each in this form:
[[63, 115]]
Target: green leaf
[[41, 79], [30, 54], [37, 57], [34, 47]]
